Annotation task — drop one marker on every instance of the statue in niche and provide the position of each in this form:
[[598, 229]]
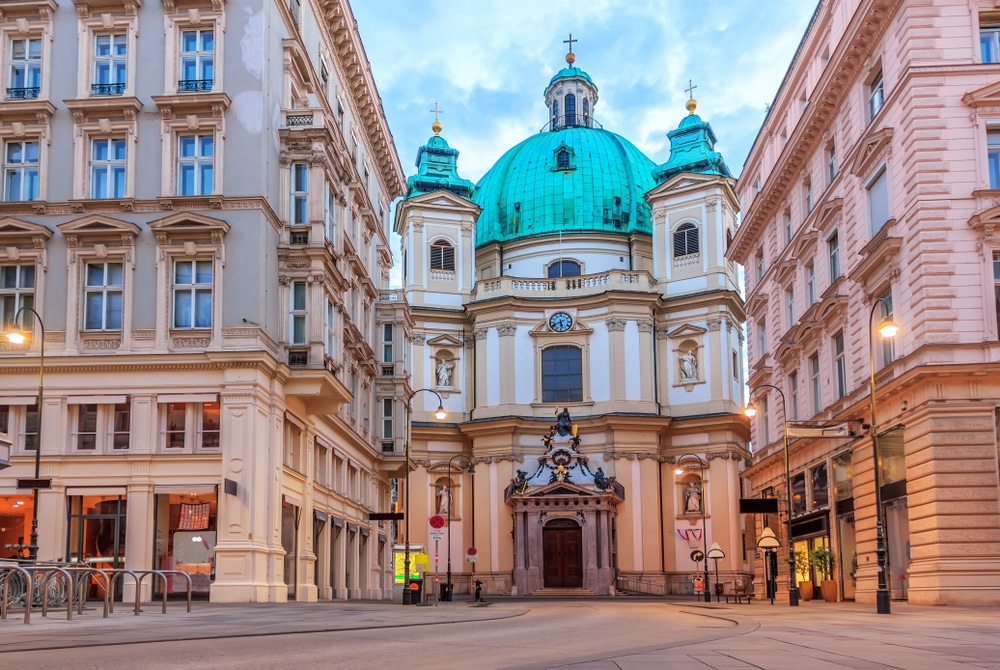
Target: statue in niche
[[444, 368], [689, 365], [692, 499], [444, 500]]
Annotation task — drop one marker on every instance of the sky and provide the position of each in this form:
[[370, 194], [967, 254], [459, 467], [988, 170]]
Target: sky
[[487, 62]]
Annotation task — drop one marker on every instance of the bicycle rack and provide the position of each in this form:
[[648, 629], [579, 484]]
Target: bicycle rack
[[48, 572], [185, 576], [83, 580], [121, 572], [152, 584], [7, 572]]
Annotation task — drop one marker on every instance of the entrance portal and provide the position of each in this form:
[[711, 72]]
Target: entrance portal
[[562, 554]]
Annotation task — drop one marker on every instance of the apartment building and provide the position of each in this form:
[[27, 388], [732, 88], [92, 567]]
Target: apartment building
[[194, 233], [872, 192]]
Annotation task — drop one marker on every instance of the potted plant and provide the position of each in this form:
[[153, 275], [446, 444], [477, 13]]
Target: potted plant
[[823, 560], [798, 563]]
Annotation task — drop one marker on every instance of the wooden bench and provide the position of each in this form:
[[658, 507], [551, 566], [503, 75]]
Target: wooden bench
[[739, 593]]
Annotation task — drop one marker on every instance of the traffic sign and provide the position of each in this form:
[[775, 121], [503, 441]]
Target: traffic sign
[[471, 555], [436, 521], [697, 556], [437, 535]]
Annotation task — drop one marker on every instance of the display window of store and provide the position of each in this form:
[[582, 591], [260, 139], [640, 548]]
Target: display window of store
[[15, 525], [96, 530], [184, 535]]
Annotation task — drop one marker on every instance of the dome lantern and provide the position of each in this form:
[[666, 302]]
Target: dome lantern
[[571, 95]]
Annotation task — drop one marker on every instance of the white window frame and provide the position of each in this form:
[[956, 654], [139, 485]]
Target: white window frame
[[811, 283], [831, 162], [875, 94], [23, 168], [34, 27], [17, 425], [793, 394], [104, 24], [115, 64], [840, 364], [194, 289], [107, 292], [330, 215], [992, 43], [106, 437], [833, 255], [88, 127], [762, 336], [110, 166], [788, 226], [814, 378], [29, 66], [807, 195], [388, 335], [298, 312], [790, 305], [993, 157], [298, 187], [19, 295], [880, 178], [197, 162], [193, 429], [330, 329], [388, 421], [199, 57]]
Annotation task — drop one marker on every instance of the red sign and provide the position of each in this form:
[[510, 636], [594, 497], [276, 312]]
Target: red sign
[[436, 521], [471, 551]]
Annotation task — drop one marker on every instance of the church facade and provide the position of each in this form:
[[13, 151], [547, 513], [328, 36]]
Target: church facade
[[576, 317]]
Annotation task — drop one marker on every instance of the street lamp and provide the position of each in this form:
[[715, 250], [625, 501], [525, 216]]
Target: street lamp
[[17, 336], [439, 414], [751, 411], [887, 328], [715, 553], [471, 471], [703, 504], [769, 543]]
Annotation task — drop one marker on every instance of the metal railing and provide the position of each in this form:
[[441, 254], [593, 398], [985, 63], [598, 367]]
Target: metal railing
[[641, 586], [31, 586]]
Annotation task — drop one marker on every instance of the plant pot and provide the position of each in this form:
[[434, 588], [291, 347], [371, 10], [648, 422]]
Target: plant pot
[[829, 590], [805, 590]]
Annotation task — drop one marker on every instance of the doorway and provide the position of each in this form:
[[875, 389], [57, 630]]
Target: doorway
[[562, 555], [96, 535]]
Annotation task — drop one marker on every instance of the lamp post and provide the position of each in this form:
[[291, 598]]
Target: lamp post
[[715, 553], [18, 336], [887, 328], [751, 411], [769, 543], [439, 414], [703, 505], [471, 471]]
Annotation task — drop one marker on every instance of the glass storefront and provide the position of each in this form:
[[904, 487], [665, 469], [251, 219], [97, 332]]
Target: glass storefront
[[848, 555], [97, 530], [184, 532], [15, 525]]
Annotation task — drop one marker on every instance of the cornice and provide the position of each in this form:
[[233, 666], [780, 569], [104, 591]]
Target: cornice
[[862, 35]]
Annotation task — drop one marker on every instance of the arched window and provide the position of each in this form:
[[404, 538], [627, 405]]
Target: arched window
[[685, 240], [564, 269], [570, 109], [562, 374], [562, 159], [442, 256], [586, 112], [555, 114]]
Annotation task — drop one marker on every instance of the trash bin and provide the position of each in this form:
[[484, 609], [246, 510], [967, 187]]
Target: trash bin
[[446, 591]]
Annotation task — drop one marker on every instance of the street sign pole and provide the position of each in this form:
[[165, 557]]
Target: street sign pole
[[436, 578]]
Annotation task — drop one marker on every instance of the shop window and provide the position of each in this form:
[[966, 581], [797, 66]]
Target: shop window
[[820, 487], [798, 493], [185, 531], [843, 477], [96, 534], [892, 458]]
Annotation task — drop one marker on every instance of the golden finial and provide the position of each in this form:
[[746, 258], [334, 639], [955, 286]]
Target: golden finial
[[691, 104], [436, 126], [570, 57]]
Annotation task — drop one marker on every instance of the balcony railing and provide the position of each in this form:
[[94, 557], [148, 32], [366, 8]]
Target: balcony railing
[[29, 93], [298, 120], [190, 85], [107, 89], [568, 287]]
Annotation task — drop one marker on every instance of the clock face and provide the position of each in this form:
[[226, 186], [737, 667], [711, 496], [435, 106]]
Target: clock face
[[560, 322]]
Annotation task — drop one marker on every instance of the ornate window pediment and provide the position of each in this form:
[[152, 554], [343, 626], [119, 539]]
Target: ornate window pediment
[[98, 228], [987, 96], [756, 303], [86, 8], [14, 232], [879, 257], [685, 331], [829, 214], [804, 242], [987, 224], [188, 226], [869, 152]]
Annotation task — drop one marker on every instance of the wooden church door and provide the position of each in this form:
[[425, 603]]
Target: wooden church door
[[562, 554]]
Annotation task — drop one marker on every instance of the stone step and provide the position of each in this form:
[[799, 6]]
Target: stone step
[[562, 593]]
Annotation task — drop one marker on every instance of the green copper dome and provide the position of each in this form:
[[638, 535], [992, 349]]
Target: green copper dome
[[573, 180], [567, 72]]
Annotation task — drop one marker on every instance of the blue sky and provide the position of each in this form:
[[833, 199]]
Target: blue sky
[[487, 62]]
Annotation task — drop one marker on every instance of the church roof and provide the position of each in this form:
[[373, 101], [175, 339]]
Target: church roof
[[596, 186], [692, 149], [568, 72], [437, 169]]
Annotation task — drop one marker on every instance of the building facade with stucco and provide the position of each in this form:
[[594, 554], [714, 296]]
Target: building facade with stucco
[[871, 193], [575, 316], [195, 203]]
